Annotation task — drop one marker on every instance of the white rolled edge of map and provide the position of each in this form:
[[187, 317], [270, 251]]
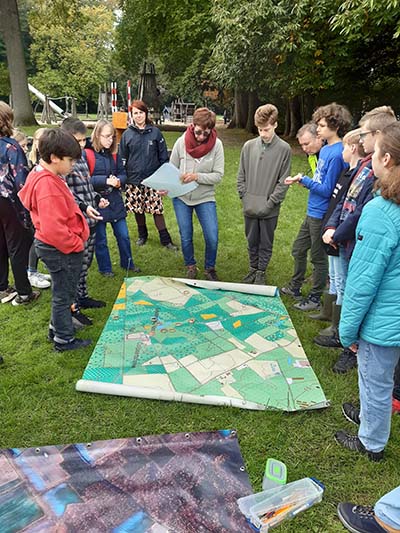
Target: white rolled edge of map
[[260, 290]]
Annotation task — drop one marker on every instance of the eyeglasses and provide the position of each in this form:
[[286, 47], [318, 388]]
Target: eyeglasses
[[363, 134], [202, 132]]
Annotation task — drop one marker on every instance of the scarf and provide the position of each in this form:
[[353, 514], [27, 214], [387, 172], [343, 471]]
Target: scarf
[[196, 150]]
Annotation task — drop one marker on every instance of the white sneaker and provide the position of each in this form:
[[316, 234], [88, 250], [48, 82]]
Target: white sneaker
[[38, 280]]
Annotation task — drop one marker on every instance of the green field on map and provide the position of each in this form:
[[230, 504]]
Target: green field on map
[[168, 340]]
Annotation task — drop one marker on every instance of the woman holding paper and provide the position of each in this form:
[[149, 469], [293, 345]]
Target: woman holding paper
[[143, 150], [199, 155]]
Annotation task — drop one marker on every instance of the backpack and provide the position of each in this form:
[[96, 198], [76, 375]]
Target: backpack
[[91, 159]]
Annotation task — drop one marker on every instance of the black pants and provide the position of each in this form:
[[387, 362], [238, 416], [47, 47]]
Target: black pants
[[15, 242], [260, 239]]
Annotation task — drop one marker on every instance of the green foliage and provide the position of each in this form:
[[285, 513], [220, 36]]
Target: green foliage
[[72, 49], [175, 34], [367, 16]]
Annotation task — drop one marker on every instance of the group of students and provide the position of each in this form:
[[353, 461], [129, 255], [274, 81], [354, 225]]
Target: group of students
[[66, 226], [351, 228]]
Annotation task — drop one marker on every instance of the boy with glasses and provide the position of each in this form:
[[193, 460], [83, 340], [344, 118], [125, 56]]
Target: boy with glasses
[[264, 165]]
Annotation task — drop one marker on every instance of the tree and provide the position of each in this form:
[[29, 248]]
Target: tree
[[11, 32], [72, 51]]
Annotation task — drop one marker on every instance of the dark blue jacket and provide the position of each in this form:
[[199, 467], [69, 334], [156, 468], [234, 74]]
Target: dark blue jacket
[[104, 167], [143, 152], [345, 231]]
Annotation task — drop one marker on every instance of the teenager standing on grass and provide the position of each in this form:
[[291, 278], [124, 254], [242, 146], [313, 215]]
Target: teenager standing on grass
[[199, 155], [15, 233], [333, 120], [60, 230], [264, 165], [371, 310], [143, 151], [108, 178]]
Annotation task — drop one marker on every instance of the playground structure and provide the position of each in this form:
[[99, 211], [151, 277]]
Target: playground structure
[[182, 111], [51, 109]]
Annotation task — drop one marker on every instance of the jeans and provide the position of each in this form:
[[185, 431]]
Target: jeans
[[376, 366], [387, 508], [207, 215], [309, 238], [338, 268], [120, 230], [64, 271]]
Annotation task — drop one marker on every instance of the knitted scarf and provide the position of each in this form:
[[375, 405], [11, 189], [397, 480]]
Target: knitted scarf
[[196, 150]]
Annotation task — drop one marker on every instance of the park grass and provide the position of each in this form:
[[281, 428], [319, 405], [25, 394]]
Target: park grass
[[39, 405]]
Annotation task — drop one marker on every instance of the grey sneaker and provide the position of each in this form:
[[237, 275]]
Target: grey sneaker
[[289, 291], [250, 276], [260, 278], [7, 295], [308, 304], [347, 361], [358, 518], [211, 274], [26, 299]]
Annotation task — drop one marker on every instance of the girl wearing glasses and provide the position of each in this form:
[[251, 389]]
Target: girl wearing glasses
[[199, 155], [107, 177], [143, 151]]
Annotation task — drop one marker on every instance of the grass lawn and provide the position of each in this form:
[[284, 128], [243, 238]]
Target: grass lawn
[[39, 405]]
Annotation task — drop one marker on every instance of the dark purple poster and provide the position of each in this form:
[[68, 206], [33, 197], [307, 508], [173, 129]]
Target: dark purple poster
[[180, 483]]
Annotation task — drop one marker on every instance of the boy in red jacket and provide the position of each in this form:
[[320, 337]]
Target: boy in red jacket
[[61, 229]]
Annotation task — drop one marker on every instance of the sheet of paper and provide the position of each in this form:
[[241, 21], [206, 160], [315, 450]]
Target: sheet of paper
[[167, 178]]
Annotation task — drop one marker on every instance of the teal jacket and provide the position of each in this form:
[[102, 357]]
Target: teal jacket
[[371, 305]]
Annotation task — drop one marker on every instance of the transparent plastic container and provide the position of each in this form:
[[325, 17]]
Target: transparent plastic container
[[269, 508]]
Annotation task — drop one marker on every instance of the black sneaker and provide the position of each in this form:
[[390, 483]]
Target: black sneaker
[[347, 361], [74, 344], [141, 241], [80, 319], [211, 274], [91, 303], [289, 291], [358, 518], [311, 303], [353, 443], [328, 341], [260, 277], [108, 274], [351, 413], [26, 299]]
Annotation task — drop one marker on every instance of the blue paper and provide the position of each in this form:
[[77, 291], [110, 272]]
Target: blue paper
[[167, 178]]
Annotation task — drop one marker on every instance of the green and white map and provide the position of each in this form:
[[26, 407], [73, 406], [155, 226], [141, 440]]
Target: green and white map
[[170, 340]]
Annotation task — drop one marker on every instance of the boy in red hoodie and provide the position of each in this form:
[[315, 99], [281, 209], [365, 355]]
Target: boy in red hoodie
[[61, 229]]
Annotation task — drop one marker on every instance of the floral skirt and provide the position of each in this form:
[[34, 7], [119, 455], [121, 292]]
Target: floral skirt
[[142, 199]]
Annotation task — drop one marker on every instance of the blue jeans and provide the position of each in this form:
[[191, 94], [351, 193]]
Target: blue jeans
[[387, 508], [376, 366], [64, 270], [338, 268], [120, 230], [207, 215]]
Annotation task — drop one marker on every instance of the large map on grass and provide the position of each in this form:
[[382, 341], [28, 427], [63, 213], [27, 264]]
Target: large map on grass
[[170, 340]]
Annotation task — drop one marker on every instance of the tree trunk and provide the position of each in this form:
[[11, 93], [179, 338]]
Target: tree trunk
[[253, 103], [295, 116], [11, 32], [287, 120], [308, 106], [239, 119]]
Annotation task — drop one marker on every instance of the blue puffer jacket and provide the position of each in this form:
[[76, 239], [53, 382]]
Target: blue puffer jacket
[[371, 308], [143, 152], [104, 166]]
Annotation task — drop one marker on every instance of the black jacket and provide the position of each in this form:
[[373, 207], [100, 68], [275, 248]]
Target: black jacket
[[143, 152]]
